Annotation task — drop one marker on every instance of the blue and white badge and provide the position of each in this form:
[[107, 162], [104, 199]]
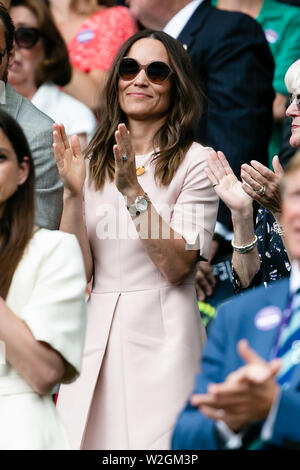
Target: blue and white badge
[[85, 36], [271, 35], [268, 318]]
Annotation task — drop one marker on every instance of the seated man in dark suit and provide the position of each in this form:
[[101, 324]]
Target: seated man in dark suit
[[248, 394], [235, 68], [37, 128]]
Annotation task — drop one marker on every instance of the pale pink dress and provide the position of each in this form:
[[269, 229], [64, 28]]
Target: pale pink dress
[[144, 336]]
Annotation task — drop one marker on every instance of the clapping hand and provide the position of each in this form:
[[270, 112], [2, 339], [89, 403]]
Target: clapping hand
[[125, 166], [263, 185], [226, 184], [246, 396], [69, 160]]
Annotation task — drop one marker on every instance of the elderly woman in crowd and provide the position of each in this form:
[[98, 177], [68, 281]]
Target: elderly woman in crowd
[[94, 31], [42, 306], [41, 65], [148, 208], [258, 256], [281, 25]]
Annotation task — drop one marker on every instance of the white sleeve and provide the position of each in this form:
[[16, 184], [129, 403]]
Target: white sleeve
[[267, 429], [56, 311], [230, 439]]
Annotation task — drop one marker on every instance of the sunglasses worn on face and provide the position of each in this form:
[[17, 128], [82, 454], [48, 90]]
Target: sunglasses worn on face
[[157, 72], [293, 97], [26, 38]]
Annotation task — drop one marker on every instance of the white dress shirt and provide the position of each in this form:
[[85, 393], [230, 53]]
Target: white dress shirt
[[63, 108], [178, 22], [295, 277]]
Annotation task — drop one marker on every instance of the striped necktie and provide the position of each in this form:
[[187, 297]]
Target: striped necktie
[[289, 354], [289, 344]]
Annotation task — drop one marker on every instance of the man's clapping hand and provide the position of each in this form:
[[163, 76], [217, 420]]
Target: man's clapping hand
[[246, 396]]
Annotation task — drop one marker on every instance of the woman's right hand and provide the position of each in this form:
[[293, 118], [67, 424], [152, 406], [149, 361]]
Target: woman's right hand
[[257, 176], [69, 159], [226, 184]]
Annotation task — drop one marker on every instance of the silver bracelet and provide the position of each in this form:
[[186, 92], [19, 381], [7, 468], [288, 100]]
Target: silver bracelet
[[278, 228], [244, 249]]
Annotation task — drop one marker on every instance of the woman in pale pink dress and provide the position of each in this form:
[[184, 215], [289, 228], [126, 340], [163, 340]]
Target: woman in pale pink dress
[[143, 216]]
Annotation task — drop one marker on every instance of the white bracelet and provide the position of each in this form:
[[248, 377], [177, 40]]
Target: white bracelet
[[244, 249]]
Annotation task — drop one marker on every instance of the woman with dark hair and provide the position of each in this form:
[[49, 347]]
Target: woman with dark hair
[[41, 65], [42, 306], [94, 31], [148, 210]]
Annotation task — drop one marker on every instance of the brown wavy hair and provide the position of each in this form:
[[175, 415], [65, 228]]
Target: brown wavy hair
[[56, 65], [175, 136], [17, 221]]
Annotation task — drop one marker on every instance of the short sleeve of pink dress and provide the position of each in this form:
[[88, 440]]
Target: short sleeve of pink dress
[[100, 37]]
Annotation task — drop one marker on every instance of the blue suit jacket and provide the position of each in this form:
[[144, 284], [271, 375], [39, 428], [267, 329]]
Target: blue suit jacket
[[235, 321], [235, 67]]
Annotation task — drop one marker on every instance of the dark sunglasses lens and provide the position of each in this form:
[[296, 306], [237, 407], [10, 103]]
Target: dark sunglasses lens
[[158, 72], [295, 98], [26, 37], [129, 68]]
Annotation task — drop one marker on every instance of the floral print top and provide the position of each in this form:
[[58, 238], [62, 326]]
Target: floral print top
[[272, 253], [100, 37]]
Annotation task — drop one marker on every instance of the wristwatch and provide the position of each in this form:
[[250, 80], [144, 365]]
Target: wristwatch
[[140, 205]]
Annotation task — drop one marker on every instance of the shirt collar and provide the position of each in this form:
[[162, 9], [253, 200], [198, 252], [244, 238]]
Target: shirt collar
[[2, 92], [178, 22], [295, 277]]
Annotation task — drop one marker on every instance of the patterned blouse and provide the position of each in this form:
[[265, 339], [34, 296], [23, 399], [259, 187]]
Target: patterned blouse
[[273, 256], [100, 37]]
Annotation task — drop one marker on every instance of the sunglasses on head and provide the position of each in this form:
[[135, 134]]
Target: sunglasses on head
[[26, 37], [157, 71], [293, 97]]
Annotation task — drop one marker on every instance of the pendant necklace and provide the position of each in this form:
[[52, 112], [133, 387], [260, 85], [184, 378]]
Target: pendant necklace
[[140, 170]]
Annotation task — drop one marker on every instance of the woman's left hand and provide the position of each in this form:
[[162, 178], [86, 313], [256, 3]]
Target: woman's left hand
[[125, 170], [263, 184]]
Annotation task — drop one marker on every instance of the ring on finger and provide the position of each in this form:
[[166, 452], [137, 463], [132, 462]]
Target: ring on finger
[[215, 184], [261, 191], [124, 157]]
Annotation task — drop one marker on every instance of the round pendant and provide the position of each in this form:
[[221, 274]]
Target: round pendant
[[140, 170]]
